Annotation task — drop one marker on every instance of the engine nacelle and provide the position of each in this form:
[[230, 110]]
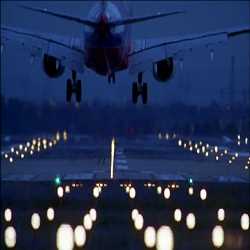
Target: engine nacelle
[[52, 66], [163, 69]]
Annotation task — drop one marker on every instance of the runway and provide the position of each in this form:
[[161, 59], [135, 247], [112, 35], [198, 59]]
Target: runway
[[171, 180]]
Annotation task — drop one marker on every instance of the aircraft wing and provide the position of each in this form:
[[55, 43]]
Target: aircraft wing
[[146, 52], [68, 50]]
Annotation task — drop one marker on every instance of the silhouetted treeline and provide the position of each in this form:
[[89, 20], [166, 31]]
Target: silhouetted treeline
[[20, 117]]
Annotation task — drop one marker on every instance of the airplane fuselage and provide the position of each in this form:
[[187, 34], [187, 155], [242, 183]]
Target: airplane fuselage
[[106, 48]]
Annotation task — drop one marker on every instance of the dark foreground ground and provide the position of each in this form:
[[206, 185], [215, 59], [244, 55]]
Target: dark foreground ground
[[114, 228]]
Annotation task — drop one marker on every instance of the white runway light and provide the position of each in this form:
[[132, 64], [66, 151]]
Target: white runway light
[[96, 192], [150, 237], [65, 237], [8, 214], [177, 215], [244, 221], [221, 214], [138, 222], [218, 236], [190, 221], [80, 236], [190, 190], [134, 214], [50, 214], [10, 237], [159, 190], [35, 221], [164, 238], [166, 193], [87, 222], [203, 194], [67, 189], [93, 214], [132, 193], [60, 192]]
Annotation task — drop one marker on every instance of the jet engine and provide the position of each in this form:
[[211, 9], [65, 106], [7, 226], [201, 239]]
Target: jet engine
[[163, 70], [52, 66]]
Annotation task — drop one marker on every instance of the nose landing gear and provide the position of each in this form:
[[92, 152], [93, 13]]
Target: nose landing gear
[[139, 88], [74, 86]]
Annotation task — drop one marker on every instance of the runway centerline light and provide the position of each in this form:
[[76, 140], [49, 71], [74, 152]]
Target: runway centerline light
[[35, 221], [218, 236], [80, 236], [164, 238], [150, 237], [10, 237], [65, 237]]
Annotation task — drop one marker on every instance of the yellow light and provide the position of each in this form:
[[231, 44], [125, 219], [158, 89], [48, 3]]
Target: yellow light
[[203, 194], [138, 222], [177, 215], [218, 236], [221, 214], [190, 221], [150, 237], [167, 193], [65, 237], [8, 214], [164, 238], [93, 214], [87, 222], [132, 193], [35, 221], [60, 192], [50, 214], [134, 214], [10, 237], [244, 221], [80, 236]]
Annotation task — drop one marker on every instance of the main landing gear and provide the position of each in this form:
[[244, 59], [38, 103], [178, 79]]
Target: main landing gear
[[139, 88], [74, 86]]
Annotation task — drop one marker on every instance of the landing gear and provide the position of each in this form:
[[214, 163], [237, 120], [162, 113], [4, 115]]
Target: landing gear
[[74, 86], [111, 78], [139, 88]]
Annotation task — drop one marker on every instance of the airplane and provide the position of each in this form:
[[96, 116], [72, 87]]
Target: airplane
[[107, 47]]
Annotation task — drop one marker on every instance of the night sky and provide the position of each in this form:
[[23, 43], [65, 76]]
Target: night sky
[[200, 83]]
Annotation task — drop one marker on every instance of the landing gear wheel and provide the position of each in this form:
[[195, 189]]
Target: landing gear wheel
[[69, 90], [134, 93], [144, 93], [78, 91]]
